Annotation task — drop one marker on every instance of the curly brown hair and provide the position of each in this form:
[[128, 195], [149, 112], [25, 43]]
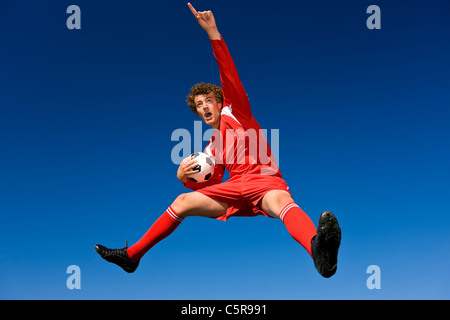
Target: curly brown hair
[[203, 88]]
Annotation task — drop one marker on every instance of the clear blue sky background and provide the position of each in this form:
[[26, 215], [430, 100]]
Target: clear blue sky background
[[86, 118]]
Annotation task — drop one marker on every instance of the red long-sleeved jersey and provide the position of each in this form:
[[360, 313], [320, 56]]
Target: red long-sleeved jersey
[[239, 144]]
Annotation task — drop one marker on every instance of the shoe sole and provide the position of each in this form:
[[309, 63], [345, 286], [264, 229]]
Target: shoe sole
[[329, 240]]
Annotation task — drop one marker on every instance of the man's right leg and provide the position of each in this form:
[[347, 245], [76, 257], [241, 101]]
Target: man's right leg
[[190, 204]]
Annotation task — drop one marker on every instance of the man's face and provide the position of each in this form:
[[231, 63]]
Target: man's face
[[208, 109]]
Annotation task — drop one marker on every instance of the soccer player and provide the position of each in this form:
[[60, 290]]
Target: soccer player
[[255, 187]]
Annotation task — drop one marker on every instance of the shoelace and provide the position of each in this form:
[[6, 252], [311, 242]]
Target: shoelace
[[115, 252], [121, 252]]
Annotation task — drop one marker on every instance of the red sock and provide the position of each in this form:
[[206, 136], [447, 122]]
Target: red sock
[[162, 228], [299, 225]]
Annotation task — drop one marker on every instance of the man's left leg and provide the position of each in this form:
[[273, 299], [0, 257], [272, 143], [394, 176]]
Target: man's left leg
[[322, 245], [279, 204]]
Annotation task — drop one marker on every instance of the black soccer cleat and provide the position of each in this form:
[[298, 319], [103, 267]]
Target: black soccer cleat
[[117, 256], [325, 244]]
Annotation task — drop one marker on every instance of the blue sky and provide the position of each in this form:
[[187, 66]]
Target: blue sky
[[86, 118]]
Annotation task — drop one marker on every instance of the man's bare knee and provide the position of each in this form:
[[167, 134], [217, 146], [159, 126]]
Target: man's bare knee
[[181, 204], [274, 201], [197, 204]]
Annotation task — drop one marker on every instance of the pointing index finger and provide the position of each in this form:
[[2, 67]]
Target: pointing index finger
[[194, 12]]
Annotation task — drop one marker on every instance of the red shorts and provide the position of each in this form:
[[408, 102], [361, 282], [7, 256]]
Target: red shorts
[[243, 193]]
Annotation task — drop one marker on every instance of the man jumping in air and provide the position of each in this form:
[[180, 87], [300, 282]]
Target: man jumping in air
[[255, 187]]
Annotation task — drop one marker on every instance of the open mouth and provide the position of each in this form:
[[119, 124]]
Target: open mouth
[[208, 116]]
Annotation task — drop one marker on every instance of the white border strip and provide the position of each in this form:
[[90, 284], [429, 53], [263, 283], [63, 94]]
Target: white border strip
[[286, 209], [173, 214]]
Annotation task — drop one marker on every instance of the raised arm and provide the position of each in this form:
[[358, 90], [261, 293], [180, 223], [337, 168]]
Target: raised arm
[[233, 91], [207, 22]]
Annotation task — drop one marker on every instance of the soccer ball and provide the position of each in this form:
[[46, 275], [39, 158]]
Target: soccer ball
[[205, 167]]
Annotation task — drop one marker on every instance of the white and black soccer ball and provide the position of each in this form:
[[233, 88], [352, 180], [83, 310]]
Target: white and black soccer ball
[[205, 167]]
